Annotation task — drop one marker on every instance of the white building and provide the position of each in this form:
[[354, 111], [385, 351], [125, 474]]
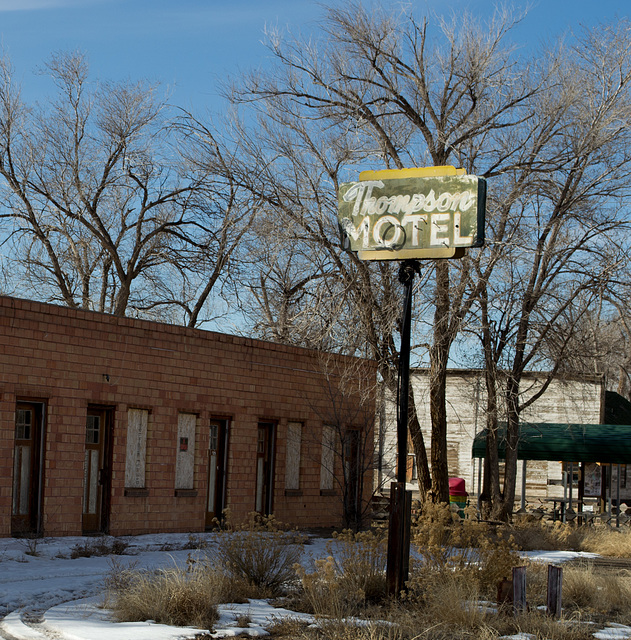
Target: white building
[[567, 400]]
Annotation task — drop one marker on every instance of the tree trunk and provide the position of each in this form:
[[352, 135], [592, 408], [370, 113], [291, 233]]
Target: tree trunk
[[491, 498], [505, 509], [439, 355], [491, 494], [122, 299], [420, 452]]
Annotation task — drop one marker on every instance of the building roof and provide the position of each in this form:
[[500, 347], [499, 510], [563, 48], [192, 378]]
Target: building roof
[[606, 443]]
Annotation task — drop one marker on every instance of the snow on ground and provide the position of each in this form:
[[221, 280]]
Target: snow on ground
[[556, 557], [51, 596]]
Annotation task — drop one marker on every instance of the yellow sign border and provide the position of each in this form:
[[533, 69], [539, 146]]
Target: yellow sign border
[[413, 254], [414, 172]]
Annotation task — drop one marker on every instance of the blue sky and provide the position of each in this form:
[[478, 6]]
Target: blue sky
[[189, 45]]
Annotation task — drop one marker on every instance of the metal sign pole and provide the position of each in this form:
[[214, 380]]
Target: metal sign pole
[[421, 213], [401, 499]]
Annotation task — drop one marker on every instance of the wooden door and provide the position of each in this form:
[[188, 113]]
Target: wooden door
[[96, 471], [217, 451], [265, 468], [27, 467]]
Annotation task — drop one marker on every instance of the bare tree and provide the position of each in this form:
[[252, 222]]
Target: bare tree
[[348, 438], [103, 207], [598, 344], [381, 89], [559, 235]]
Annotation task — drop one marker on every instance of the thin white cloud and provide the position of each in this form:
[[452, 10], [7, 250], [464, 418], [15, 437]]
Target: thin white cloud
[[32, 5]]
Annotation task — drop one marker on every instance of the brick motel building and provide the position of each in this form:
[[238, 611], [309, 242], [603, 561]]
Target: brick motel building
[[123, 426]]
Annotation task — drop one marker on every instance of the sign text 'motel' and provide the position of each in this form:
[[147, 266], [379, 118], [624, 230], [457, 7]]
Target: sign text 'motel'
[[412, 213]]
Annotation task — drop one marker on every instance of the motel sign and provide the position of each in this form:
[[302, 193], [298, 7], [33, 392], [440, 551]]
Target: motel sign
[[403, 214]]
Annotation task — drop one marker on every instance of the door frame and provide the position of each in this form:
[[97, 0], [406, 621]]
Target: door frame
[[268, 462], [221, 477], [104, 477], [32, 523]]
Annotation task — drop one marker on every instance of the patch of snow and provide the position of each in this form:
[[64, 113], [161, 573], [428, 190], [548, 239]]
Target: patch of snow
[[49, 595], [556, 557], [613, 631]]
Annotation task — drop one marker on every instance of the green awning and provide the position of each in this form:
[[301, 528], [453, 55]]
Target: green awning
[[606, 443]]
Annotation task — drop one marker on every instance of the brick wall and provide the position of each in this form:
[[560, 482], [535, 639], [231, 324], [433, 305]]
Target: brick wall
[[68, 360]]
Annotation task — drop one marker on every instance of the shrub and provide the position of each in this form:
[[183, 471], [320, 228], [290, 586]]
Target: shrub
[[451, 548], [352, 576], [173, 596], [101, 546], [361, 561], [260, 554], [540, 535], [323, 592], [432, 528], [31, 544], [195, 541]]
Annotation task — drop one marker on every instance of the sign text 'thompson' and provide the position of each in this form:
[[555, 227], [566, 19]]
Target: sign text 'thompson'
[[401, 216]]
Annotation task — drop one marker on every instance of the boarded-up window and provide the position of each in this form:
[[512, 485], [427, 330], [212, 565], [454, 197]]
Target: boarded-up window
[[328, 458], [185, 462], [292, 466], [453, 452], [135, 461]]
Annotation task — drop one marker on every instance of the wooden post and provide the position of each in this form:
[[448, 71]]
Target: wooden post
[[555, 583], [398, 560], [618, 497], [519, 589]]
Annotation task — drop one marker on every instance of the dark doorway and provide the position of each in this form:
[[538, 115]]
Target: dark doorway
[[265, 468], [352, 478], [96, 470], [217, 456], [26, 511]]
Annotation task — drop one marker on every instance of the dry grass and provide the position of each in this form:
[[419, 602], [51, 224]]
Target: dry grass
[[606, 541], [591, 593], [175, 596], [461, 564], [447, 600], [349, 579], [337, 630], [473, 552], [290, 628], [539, 625]]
